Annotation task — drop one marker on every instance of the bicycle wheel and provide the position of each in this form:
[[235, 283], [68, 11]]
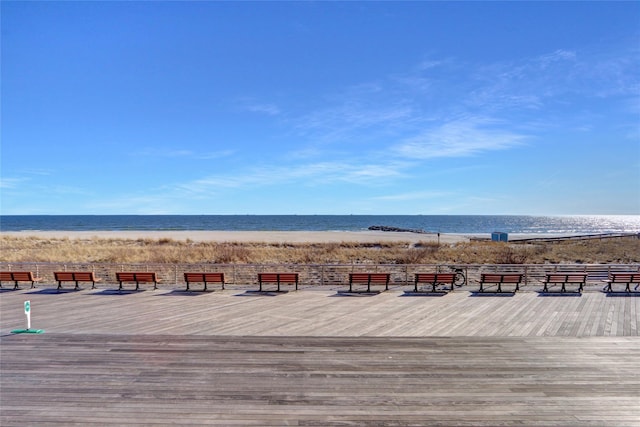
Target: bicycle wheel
[[460, 278]]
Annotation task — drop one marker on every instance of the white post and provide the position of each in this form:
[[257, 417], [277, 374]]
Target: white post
[[27, 311]]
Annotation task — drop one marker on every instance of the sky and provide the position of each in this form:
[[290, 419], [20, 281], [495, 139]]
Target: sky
[[320, 108]]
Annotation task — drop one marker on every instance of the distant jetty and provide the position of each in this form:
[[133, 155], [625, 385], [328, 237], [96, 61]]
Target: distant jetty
[[397, 229]]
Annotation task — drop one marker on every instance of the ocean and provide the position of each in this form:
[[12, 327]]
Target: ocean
[[456, 224]]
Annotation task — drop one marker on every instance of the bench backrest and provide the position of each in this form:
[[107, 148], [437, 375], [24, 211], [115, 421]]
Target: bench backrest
[[501, 278], [435, 277], [566, 278], [369, 277], [136, 277], [72, 276], [204, 277], [625, 277], [278, 277], [5, 276], [17, 276]]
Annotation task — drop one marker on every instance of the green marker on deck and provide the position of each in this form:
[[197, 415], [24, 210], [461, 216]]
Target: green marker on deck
[[27, 311]]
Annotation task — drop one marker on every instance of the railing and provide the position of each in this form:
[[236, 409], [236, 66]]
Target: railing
[[242, 276]]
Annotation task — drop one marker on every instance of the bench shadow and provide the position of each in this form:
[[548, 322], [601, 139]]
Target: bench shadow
[[634, 294], [559, 294], [356, 294], [491, 294], [53, 291], [182, 292], [118, 292], [251, 293], [424, 294], [9, 289]]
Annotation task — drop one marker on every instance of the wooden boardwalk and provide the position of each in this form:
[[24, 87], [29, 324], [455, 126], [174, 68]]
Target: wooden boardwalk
[[314, 357]]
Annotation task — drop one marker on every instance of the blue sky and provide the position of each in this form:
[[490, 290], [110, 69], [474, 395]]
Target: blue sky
[[320, 108]]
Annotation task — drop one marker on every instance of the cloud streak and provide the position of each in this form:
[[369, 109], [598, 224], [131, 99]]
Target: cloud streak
[[459, 138]]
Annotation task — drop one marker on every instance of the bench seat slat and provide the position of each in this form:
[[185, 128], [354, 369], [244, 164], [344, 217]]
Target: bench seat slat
[[369, 279], [500, 279], [434, 279], [18, 276], [563, 279], [278, 278], [204, 278], [75, 276], [137, 277], [626, 278]]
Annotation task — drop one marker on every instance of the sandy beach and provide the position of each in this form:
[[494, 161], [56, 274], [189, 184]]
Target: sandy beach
[[250, 236]]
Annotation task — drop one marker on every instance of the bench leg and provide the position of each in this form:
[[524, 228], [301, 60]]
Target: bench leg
[[546, 288], [77, 285], [120, 287], [59, 285], [16, 285], [187, 287]]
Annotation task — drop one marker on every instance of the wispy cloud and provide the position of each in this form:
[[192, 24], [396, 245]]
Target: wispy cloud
[[457, 138], [416, 195], [310, 174], [556, 78], [354, 121], [419, 114], [253, 105], [181, 153], [269, 109], [11, 183]]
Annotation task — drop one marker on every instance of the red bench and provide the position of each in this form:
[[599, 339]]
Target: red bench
[[75, 276], [500, 279], [369, 279], [137, 277], [565, 278], [18, 276], [623, 278], [204, 278], [291, 278], [435, 279]]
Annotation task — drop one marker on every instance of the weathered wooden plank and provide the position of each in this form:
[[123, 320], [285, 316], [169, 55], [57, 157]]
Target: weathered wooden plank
[[162, 379], [322, 313]]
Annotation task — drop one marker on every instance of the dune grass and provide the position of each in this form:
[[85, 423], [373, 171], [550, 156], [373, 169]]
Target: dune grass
[[164, 250]]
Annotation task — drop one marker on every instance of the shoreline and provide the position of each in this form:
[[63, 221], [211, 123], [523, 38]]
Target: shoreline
[[226, 236], [247, 236]]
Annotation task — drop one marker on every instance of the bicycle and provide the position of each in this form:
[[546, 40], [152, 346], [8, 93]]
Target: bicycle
[[460, 279]]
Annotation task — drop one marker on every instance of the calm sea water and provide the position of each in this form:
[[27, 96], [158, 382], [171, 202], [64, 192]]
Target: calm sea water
[[464, 224]]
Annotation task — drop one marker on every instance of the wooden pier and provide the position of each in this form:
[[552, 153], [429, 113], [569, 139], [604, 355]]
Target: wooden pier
[[316, 357]]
